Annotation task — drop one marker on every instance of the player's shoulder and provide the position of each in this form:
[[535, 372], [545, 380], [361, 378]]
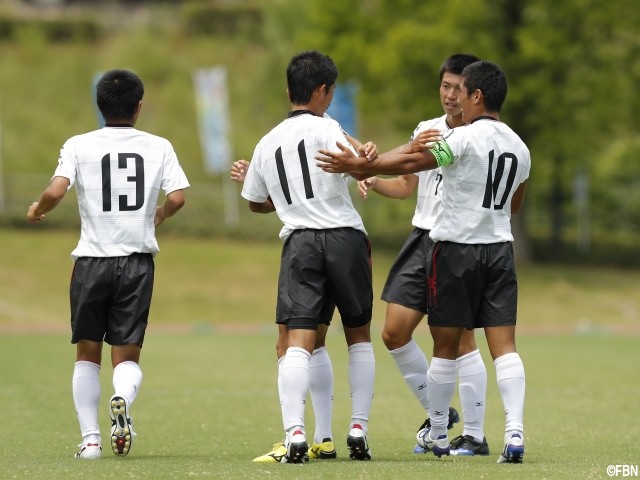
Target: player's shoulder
[[438, 122]]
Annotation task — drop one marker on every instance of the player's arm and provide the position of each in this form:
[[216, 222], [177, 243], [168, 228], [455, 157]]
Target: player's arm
[[399, 187], [518, 197], [262, 207], [173, 203], [49, 199], [388, 163], [426, 152], [368, 150]]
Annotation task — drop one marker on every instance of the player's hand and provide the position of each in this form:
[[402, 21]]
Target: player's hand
[[365, 185], [369, 151], [342, 161], [425, 140], [31, 216], [239, 170]]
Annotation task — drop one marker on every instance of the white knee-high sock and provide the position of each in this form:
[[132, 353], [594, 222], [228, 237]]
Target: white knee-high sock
[[127, 378], [86, 398], [295, 386], [362, 372], [321, 388], [511, 383], [441, 383], [472, 375], [413, 365], [280, 394]]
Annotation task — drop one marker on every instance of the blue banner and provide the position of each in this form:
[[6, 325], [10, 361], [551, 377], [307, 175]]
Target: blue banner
[[342, 108], [212, 107]]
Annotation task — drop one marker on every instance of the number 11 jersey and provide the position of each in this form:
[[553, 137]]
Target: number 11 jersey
[[283, 167]]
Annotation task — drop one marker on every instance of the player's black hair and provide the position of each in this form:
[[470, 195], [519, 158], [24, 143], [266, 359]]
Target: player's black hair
[[306, 72], [118, 94], [490, 79], [455, 63]]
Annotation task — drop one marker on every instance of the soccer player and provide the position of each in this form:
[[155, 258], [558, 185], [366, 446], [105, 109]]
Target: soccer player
[[405, 290], [472, 279], [326, 255], [118, 172], [320, 367]]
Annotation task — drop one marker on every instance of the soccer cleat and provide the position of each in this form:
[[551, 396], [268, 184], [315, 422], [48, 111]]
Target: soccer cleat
[[121, 426], [296, 448], [357, 443], [324, 451], [513, 450], [276, 454], [439, 446], [89, 451], [454, 417], [469, 446]]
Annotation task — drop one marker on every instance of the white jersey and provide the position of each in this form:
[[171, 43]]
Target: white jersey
[[490, 162], [429, 182], [283, 167], [118, 173]]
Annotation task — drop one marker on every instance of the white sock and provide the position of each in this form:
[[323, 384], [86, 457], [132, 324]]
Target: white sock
[[280, 395], [472, 375], [362, 370], [86, 398], [511, 383], [127, 377], [441, 383], [321, 388], [413, 366], [295, 386]]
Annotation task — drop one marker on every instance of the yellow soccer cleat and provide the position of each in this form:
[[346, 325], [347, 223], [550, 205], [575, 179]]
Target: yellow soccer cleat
[[324, 451], [276, 455]]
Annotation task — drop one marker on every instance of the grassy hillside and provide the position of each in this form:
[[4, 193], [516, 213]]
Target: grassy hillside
[[223, 283]]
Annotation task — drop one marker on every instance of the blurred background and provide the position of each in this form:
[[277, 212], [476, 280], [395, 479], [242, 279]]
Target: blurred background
[[573, 68]]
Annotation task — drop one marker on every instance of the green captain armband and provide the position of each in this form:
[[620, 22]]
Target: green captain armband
[[442, 151]]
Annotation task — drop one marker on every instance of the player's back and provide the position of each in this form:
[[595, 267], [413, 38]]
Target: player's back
[[118, 174], [284, 168], [491, 161]]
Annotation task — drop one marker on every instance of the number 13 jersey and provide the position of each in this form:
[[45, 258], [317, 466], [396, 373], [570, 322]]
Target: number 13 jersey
[[283, 167], [118, 173]]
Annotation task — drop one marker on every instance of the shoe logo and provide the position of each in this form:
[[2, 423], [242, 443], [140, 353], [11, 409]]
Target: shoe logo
[[422, 387]]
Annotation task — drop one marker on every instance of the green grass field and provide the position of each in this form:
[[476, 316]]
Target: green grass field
[[208, 403]]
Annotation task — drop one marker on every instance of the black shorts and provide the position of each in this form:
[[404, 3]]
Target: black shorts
[[110, 298], [320, 269], [407, 280], [472, 286]]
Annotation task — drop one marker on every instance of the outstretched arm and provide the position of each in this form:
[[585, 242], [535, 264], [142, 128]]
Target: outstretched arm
[[389, 163], [399, 187], [49, 199], [422, 153]]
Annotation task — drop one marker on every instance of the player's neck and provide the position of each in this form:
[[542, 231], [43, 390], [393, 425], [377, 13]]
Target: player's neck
[[119, 124], [454, 121], [301, 111]]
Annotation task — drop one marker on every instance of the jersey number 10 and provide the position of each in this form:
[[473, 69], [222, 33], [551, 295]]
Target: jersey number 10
[[493, 182]]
